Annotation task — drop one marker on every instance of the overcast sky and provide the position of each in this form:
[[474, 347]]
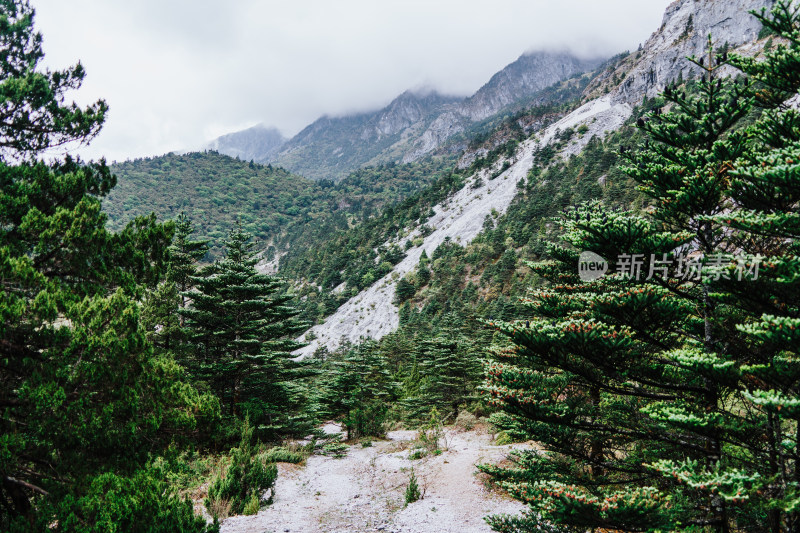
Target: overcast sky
[[178, 73]]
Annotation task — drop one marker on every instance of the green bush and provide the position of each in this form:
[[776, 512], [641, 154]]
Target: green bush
[[502, 439], [432, 433], [252, 506], [367, 420], [246, 478], [113, 503], [419, 453], [335, 449], [281, 455], [466, 420], [412, 490]]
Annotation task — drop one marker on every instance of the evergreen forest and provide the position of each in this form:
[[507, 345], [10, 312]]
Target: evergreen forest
[[145, 352]]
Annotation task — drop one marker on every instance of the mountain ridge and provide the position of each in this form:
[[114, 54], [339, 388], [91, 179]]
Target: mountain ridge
[[254, 143], [331, 147], [416, 123], [488, 192]]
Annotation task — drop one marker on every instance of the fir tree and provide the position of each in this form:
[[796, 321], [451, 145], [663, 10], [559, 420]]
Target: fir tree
[[84, 400], [161, 314], [184, 255], [445, 371], [621, 377], [242, 328], [160, 317], [360, 387], [762, 226]]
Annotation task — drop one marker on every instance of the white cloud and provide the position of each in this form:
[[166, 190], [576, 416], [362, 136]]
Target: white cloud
[[177, 73]]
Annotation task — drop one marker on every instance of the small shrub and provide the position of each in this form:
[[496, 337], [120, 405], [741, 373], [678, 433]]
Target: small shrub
[[335, 449], [412, 490], [281, 455], [502, 439], [432, 432], [331, 437], [252, 505], [419, 453], [366, 444], [246, 478], [219, 508], [466, 420], [478, 409]]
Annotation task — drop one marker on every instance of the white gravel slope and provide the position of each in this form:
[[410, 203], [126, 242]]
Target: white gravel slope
[[371, 313], [364, 491]]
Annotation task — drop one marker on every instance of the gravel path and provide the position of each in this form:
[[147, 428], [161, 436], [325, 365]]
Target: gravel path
[[364, 491]]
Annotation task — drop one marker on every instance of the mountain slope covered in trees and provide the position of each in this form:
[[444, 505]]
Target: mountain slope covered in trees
[[661, 51], [276, 206], [662, 396]]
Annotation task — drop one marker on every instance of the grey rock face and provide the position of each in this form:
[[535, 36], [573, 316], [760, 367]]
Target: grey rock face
[[331, 147], [523, 78], [405, 111], [412, 125], [445, 126], [684, 32], [514, 85], [257, 143]]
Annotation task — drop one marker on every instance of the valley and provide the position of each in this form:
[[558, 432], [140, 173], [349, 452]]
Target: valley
[[378, 323]]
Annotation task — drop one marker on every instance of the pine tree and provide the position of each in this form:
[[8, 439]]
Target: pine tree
[[446, 370], [360, 387], [84, 401], [33, 115], [160, 317], [620, 378], [161, 313], [575, 378], [241, 328], [762, 226], [184, 255], [754, 357]]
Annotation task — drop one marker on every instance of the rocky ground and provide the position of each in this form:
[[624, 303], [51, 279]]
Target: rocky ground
[[364, 491]]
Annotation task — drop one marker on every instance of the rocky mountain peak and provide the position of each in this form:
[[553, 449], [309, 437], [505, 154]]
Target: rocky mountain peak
[[259, 143], [684, 32], [416, 122], [405, 110], [530, 73], [513, 86]]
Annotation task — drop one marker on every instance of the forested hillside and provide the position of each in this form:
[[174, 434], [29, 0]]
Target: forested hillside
[[606, 280], [332, 261], [215, 190], [276, 206]]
